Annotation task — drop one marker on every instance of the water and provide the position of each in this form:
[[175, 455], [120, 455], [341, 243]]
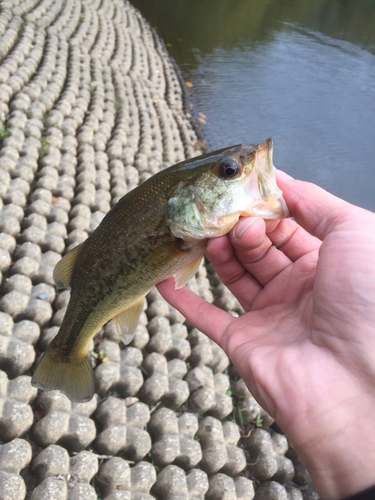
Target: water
[[300, 71]]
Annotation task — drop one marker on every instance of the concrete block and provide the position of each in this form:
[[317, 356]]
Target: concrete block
[[267, 456], [117, 481], [218, 442], [16, 415], [122, 429], [62, 477], [14, 456], [164, 381], [173, 484], [208, 392], [173, 439], [63, 422]]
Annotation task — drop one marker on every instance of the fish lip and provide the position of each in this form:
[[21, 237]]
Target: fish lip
[[266, 150], [267, 202], [284, 210]]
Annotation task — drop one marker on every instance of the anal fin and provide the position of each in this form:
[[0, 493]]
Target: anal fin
[[186, 273], [126, 322]]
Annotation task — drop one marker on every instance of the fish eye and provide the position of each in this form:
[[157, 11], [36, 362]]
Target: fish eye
[[228, 168]]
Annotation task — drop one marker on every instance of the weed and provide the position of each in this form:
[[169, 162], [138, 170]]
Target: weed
[[4, 133], [155, 466], [22, 27], [100, 356], [117, 104], [215, 367], [238, 417], [143, 369], [258, 421], [43, 149]]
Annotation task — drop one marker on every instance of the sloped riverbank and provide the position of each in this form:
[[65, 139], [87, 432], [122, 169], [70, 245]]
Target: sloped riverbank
[[90, 106]]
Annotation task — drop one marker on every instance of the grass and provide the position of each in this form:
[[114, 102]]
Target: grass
[[143, 369], [237, 417], [100, 356], [21, 27], [43, 149], [215, 367], [43, 141], [4, 133], [117, 104], [157, 469], [258, 421]]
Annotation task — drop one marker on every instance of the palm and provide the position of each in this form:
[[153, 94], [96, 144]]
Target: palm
[[297, 325], [305, 346], [282, 318]]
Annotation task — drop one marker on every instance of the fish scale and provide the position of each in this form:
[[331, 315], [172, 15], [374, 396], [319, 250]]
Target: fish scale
[[159, 229]]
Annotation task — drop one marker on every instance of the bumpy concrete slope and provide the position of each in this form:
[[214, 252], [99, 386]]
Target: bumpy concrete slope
[[91, 105]]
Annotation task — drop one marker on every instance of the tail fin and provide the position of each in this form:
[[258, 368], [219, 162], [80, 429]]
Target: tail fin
[[74, 378]]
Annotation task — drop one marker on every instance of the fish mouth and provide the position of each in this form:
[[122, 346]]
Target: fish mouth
[[267, 198]]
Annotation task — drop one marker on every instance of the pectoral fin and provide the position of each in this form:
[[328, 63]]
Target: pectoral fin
[[63, 271], [186, 273], [126, 322], [164, 253]]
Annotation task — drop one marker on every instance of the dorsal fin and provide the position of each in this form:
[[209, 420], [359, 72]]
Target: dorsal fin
[[63, 271]]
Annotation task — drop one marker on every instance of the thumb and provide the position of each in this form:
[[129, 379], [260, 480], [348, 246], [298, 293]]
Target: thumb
[[316, 210]]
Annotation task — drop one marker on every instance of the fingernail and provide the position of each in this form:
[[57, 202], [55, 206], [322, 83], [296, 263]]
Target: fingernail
[[284, 175], [242, 226]]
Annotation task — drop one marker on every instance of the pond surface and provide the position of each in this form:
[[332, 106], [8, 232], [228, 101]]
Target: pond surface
[[301, 71]]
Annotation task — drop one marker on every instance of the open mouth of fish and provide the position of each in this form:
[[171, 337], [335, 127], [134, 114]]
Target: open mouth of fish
[[261, 188]]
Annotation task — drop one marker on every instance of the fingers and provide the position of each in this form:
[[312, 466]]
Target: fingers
[[206, 317], [249, 259], [291, 238], [265, 261], [316, 210], [231, 271]]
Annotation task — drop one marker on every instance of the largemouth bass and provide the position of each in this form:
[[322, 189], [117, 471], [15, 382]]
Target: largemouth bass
[[157, 230]]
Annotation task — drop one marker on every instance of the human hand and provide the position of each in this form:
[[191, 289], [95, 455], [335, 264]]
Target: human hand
[[306, 345]]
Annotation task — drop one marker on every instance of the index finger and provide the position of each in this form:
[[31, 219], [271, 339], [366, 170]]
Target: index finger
[[316, 210], [208, 318]]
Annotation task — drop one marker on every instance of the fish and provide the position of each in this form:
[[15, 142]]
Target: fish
[[157, 230]]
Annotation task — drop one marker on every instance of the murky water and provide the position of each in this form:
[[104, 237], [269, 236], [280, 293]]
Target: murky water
[[302, 71]]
